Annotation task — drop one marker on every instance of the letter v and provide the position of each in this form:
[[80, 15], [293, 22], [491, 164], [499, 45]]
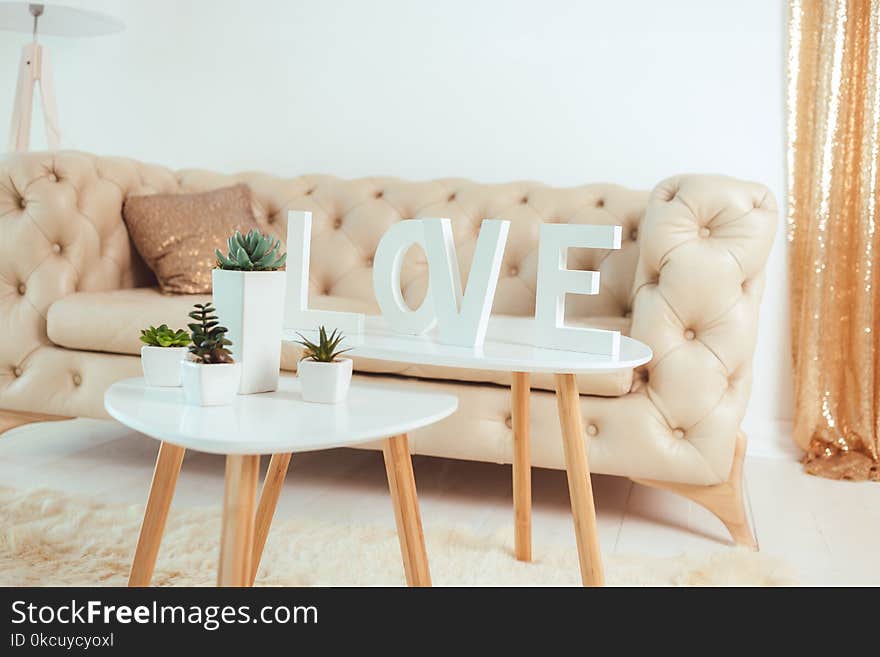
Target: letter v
[[462, 320]]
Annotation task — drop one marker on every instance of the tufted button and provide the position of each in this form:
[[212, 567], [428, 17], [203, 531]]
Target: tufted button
[[337, 223], [628, 313], [600, 203], [311, 191], [592, 430], [524, 200], [77, 379], [451, 197], [369, 261], [634, 234], [508, 422], [16, 371], [22, 203], [513, 271], [671, 195], [272, 218], [56, 248], [52, 177], [22, 288], [379, 194], [645, 376], [705, 232], [689, 334], [678, 433]]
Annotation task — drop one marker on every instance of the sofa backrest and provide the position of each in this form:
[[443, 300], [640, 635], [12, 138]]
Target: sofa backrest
[[349, 218]]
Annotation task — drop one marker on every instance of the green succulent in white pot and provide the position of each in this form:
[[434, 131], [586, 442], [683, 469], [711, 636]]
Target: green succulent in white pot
[[324, 376], [163, 350], [210, 375], [248, 292]]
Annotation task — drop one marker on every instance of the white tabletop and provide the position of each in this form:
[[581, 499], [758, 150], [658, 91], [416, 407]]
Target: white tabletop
[[508, 348], [275, 422]]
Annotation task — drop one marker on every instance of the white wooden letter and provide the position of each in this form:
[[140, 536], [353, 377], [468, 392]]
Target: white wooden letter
[[555, 280], [462, 320], [296, 312], [386, 280]]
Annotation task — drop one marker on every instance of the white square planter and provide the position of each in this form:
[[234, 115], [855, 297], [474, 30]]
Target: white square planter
[[162, 365], [324, 383], [209, 385], [251, 305]]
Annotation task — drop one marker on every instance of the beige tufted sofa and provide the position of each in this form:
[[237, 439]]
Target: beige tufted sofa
[[687, 281]]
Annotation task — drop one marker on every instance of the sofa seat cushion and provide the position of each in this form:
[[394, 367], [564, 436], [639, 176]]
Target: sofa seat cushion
[[111, 322]]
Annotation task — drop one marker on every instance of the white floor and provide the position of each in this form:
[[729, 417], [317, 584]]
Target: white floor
[[827, 530]]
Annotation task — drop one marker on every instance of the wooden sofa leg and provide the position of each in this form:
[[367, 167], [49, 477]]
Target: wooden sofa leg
[[725, 500], [11, 419]]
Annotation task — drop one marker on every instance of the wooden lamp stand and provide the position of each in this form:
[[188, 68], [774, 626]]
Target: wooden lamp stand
[[34, 68]]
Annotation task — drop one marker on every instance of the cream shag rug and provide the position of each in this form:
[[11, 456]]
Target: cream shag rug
[[48, 538]]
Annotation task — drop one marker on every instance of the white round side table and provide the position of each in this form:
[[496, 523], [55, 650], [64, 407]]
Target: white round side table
[[277, 423], [509, 348]]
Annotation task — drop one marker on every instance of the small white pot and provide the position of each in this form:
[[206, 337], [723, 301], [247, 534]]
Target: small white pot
[[324, 383], [251, 305], [162, 365], [210, 385]]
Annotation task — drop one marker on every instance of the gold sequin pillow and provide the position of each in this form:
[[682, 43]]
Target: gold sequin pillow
[[176, 234]]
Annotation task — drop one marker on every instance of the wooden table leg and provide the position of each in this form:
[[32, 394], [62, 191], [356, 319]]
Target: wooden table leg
[[237, 537], [522, 467], [580, 488], [272, 485], [401, 483], [159, 501]]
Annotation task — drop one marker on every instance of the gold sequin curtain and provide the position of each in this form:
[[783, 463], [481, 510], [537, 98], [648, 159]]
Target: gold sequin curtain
[[833, 144]]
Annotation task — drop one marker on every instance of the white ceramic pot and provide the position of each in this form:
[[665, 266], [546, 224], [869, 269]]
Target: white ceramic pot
[[162, 365], [325, 383], [251, 305], [210, 385]]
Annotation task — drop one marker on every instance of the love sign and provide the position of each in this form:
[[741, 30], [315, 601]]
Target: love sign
[[460, 316]]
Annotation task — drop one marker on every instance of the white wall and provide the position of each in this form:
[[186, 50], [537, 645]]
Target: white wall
[[560, 91]]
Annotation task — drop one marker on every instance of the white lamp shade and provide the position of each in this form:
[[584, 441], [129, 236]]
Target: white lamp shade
[[57, 20]]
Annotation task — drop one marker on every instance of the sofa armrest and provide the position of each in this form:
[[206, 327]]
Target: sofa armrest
[[704, 242], [61, 231]]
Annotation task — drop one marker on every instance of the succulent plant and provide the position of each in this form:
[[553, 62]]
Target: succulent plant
[[252, 252], [162, 336], [327, 348], [209, 339]]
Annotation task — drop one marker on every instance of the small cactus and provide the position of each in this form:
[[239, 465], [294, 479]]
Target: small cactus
[[251, 252]]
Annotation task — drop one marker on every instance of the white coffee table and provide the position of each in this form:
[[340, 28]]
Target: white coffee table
[[277, 423], [508, 348]]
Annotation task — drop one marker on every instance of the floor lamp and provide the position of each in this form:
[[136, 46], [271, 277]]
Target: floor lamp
[[35, 65]]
